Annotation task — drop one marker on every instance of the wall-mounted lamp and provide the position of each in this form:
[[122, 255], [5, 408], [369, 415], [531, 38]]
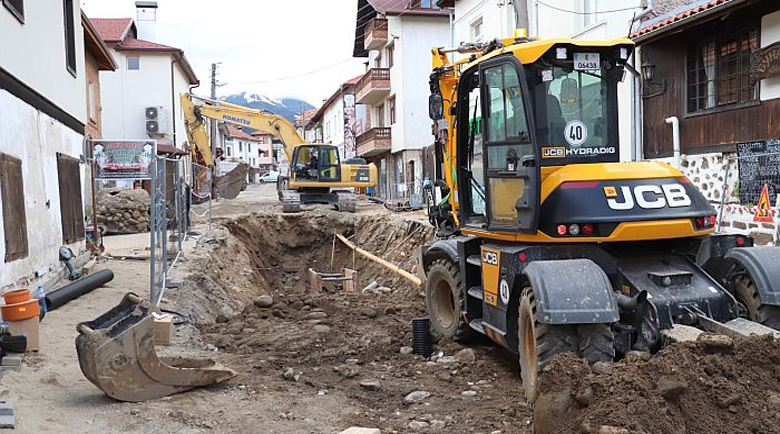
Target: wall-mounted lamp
[[648, 74]]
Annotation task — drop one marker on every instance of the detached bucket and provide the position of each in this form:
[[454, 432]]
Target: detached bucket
[[421, 336]]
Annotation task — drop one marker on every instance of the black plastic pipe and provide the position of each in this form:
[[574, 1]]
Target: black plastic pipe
[[78, 288], [421, 337]]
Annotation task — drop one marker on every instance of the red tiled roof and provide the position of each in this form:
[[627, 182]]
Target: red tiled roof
[[679, 16], [132, 44], [233, 131], [354, 80], [112, 29]]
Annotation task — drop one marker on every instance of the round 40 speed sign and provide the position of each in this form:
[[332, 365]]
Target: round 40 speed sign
[[575, 133]]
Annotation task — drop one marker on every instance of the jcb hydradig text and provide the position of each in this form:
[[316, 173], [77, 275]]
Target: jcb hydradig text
[[547, 243]]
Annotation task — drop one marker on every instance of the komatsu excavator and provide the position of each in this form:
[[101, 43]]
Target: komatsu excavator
[[316, 173], [548, 243]]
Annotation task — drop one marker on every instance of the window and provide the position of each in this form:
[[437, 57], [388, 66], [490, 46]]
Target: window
[[240, 146], [506, 114], [133, 63], [16, 7], [380, 116], [378, 60], [719, 70], [390, 49], [391, 103], [591, 12], [70, 36], [14, 214], [92, 107], [71, 211], [229, 151], [476, 30]]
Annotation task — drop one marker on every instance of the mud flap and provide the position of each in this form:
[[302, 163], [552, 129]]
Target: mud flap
[[573, 291], [761, 263], [116, 353]]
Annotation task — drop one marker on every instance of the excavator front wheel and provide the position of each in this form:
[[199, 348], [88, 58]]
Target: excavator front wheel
[[444, 300], [538, 343]]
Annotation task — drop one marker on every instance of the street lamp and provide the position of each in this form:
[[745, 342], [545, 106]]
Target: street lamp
[[648, 74]]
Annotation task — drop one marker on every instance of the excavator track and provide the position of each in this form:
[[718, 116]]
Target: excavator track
[[291, 201], [347, 201]]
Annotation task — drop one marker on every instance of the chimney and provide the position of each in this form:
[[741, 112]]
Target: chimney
[[146, 20]]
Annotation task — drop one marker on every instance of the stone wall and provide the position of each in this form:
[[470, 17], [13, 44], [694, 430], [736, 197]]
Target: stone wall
[[123, 211]]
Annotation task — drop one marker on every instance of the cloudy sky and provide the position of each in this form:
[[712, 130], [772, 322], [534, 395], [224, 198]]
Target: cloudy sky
[[258, 42]]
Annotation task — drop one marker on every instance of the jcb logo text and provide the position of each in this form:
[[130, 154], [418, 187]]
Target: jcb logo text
[[490, 258], [649, 197]]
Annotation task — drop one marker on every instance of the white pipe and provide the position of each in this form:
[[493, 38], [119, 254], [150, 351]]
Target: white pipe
[[675, 138]]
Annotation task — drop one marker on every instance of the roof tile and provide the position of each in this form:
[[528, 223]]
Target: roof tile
[[111, 29], [678, 17]]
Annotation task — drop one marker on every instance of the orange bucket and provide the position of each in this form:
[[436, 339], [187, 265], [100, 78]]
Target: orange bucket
[[21, 311], [18, 296]]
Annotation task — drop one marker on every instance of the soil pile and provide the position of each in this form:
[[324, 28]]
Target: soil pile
[[713, 386]]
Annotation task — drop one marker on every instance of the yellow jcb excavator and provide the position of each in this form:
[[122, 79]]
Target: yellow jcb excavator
[[316, 173], [548, 243]]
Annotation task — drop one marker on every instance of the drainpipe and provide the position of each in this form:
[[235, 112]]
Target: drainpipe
[[637, 153], [173, 101], [675, 122]]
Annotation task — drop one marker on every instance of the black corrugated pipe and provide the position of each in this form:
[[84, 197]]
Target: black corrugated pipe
[[78, 288]]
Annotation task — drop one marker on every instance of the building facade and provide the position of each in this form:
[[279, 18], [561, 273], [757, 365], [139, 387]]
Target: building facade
[[150, 76], [253, 149], [396, 40], [711, 102], [42, 105], [340, 120]]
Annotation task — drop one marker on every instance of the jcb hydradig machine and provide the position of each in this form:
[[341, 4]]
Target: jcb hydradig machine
[[316, 173], [548, 243]]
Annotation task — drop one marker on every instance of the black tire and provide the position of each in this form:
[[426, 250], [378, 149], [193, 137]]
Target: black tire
[[747, 293], [444, 300], [596, 342], [538, 343]]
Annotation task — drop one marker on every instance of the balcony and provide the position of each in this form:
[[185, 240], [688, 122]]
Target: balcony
[[374, 142], [375, 34], [373, 86]]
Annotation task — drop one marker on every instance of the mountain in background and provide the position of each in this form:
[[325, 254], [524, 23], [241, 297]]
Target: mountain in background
[[287, 107]]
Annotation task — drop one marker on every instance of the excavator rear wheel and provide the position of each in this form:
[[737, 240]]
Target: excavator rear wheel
[[538, 343], [747, 293], [596, 342], [444, 300]]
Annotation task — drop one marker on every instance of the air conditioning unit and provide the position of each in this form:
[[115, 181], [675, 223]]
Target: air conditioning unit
[[155, 120]]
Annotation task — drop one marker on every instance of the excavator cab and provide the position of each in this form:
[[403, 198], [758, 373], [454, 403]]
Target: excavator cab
[[514, 119], [316, 163]]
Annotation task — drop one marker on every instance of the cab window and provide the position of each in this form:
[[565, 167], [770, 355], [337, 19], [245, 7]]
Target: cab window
[[507, 121]]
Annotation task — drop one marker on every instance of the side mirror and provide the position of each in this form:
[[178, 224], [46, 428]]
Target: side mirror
[[435, 107]]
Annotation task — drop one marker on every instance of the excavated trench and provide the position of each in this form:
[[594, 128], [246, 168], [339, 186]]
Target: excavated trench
[[251, 299]]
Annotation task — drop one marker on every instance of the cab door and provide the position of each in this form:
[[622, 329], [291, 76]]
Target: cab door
[[330, 165], [511, 154]]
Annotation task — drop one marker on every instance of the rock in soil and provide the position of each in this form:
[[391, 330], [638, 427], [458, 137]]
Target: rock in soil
[[712, 343], [416, 396], [264, 301]]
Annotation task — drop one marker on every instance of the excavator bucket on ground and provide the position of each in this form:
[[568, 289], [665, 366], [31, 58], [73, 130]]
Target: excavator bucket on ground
[[116, 353]]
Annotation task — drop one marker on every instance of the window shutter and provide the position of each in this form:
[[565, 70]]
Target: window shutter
[[14, 213]]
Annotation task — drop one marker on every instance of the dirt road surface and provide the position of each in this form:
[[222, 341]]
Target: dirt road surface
[[320, 362]]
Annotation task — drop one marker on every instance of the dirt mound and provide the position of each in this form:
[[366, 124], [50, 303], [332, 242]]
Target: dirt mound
[[689, 388]]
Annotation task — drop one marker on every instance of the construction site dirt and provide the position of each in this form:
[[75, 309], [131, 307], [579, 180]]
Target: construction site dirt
[[320, 362]]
